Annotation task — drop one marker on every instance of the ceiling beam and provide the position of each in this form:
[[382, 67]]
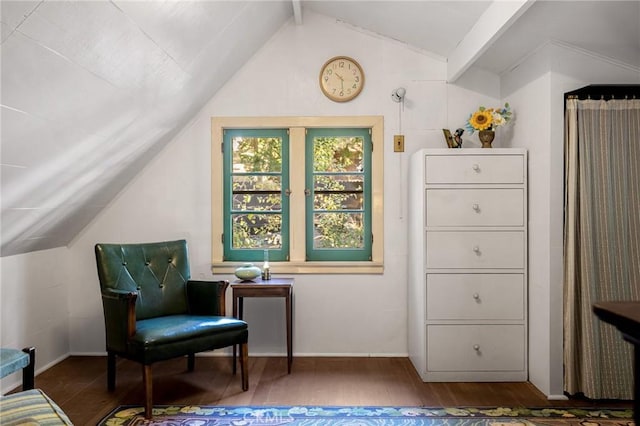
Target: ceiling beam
[[297, 11], [492, 24]]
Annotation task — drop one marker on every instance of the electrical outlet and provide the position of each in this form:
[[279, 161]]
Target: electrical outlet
[[398, 143]]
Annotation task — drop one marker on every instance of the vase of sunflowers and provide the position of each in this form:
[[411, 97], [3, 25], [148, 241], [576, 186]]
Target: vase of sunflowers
[[486, 120], [486, 137]]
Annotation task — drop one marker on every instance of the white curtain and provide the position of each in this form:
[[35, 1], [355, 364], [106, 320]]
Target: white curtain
[[601, 241]]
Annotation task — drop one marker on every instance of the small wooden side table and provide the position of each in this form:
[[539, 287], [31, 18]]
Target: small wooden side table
[[275, 287], [625, 316]]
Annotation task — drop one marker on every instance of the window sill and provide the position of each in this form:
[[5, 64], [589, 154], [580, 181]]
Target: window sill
[[307, 267]]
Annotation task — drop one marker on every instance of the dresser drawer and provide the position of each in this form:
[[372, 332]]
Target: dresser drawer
[[474, 169], [475, 249], [475, 207], [475, 297], [475, 348]]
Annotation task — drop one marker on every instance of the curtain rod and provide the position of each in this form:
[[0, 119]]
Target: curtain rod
[[605, 92]]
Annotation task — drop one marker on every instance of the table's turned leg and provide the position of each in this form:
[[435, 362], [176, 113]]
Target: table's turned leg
[[235, 315], [289, 333]]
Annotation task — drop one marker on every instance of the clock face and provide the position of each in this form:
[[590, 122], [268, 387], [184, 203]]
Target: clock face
[[341, 79]]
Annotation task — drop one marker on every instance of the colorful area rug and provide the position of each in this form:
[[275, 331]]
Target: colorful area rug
[[366, 416]]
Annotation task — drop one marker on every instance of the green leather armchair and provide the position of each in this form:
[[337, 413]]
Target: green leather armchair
[[154, 312]]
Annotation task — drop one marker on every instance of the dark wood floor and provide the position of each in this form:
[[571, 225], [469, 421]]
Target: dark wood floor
[[78, 385]]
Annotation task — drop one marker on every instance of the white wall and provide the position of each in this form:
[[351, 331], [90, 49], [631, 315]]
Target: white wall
[[334, 314], [34, 309], [537, 88]]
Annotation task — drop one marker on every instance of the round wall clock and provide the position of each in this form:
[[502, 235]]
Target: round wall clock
[[341, 79]]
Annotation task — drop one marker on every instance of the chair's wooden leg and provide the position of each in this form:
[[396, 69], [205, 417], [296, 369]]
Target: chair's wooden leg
[[191, 362], [234, 360], [244, 365], [111, 371], [148, 391], [28, 372]]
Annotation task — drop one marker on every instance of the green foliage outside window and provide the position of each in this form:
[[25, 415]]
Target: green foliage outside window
[[338, 209], [256, 208], [338, 201]]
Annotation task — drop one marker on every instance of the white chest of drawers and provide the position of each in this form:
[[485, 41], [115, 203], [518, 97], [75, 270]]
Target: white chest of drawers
[[467, 295]]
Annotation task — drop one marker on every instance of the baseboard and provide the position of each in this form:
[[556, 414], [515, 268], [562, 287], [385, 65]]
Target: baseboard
[[557, 397], [88, 353], [51, 363], [227, 352], [348, 355], [10, 387]]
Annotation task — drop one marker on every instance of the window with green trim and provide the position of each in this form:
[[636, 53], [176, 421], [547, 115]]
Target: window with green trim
[[256, 206], [310, 190], [338, 194], [338, 189]]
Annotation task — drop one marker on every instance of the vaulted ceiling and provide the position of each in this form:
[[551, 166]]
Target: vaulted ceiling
[[92, 89]]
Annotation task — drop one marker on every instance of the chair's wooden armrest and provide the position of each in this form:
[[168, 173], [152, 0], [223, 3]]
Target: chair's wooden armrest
[[119, 305]]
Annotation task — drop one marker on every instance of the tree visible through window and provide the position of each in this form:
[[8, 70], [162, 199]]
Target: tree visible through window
[[256, 179], [338, 208], [338, 213], [307, 189]]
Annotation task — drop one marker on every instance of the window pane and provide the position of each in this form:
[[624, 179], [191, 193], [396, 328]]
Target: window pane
[[256, 193], [256, 183], [345, 183], [338, 230], [256, 155], [338, 154], [338, 192], [251, 231], [256, 202], [256, 210], [324, 201], [338, 214]]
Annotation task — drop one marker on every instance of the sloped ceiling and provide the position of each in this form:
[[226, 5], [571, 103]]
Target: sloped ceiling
[[91, 90], [433, 26], [609, 29]]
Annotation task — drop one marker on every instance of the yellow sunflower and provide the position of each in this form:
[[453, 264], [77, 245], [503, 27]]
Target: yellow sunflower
[[481, 120]]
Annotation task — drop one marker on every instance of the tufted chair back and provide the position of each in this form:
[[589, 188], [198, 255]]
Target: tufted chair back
[[157, 272]]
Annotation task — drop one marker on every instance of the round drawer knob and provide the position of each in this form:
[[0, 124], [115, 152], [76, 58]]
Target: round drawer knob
[[476, 296], [476, 167], [476, 249], [476, 207], [476, 348]]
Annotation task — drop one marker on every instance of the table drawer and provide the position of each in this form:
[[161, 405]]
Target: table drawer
[[475, 348], [475, 249], [475, 297], [474, 169], [475, 207]]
